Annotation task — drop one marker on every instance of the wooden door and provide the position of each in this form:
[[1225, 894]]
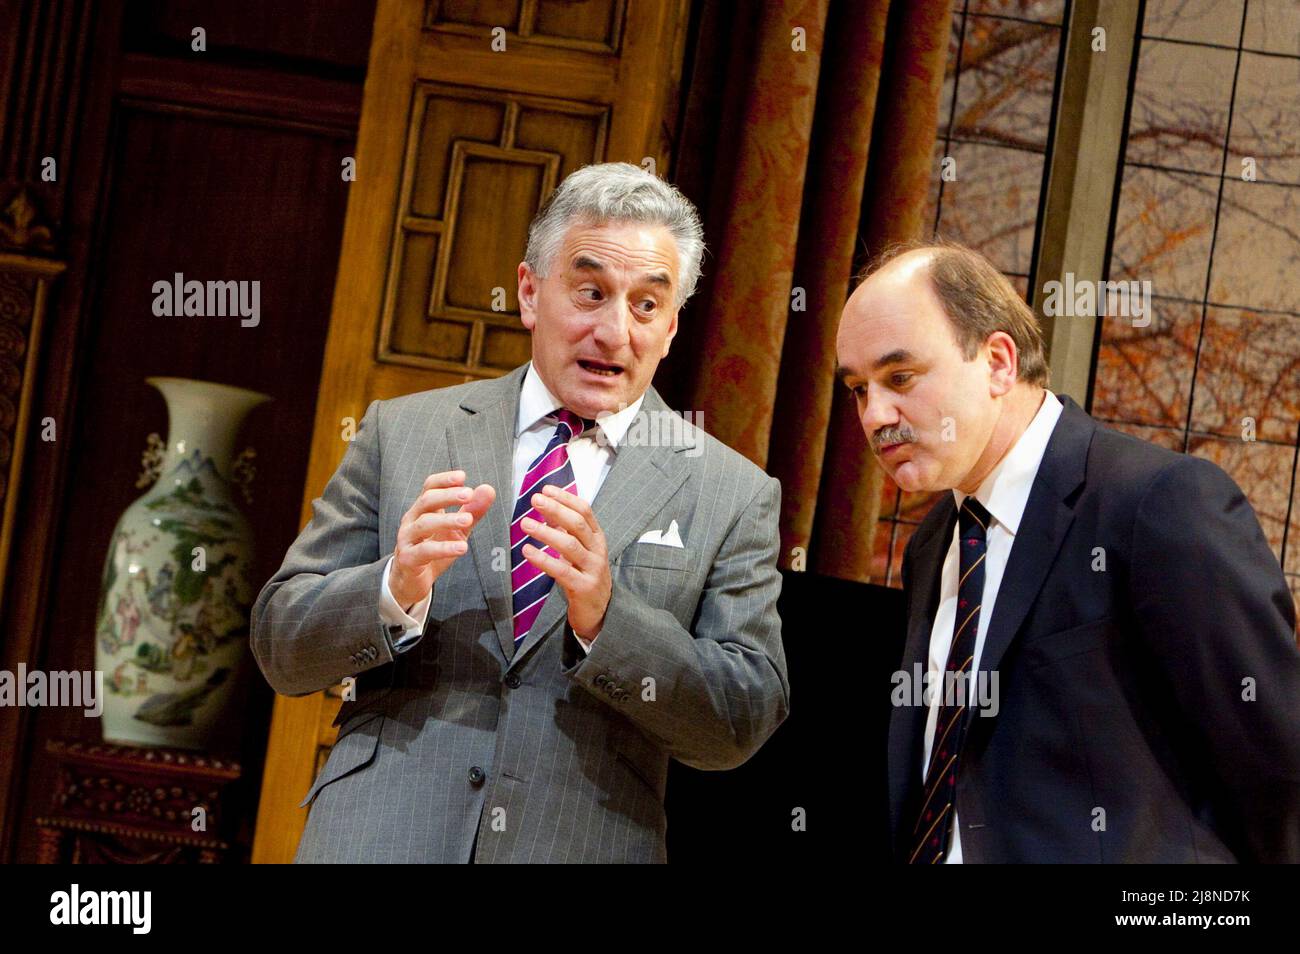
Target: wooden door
[[473, 111]]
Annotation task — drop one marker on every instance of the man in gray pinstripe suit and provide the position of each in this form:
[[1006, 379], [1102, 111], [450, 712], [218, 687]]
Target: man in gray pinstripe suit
[[521, 686]]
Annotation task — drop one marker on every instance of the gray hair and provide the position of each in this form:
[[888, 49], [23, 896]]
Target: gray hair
[[618, 192]]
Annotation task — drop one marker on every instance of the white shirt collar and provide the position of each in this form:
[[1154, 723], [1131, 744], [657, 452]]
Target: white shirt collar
[[536, 401], [1005, 491]]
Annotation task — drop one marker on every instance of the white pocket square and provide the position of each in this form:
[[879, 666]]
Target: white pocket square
[[665, 538]]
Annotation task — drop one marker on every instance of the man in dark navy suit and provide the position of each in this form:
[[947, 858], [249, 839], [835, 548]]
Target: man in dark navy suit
[[1106, 641]]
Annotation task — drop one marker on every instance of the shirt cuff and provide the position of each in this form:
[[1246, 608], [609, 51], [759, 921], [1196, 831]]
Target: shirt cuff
[[584, 643], [404, 628]]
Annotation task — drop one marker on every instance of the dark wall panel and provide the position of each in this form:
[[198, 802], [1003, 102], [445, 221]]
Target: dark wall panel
[[214, 196]]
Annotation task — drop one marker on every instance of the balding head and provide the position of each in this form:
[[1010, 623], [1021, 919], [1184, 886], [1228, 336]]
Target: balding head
[[977, 298]]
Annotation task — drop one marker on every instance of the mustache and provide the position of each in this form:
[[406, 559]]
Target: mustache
[[892, 435]]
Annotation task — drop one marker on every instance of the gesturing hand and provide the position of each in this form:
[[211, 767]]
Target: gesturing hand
[[430, 538], [582, 568]]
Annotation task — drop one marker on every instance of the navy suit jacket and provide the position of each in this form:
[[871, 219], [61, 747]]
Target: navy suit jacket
[[1162, 690]]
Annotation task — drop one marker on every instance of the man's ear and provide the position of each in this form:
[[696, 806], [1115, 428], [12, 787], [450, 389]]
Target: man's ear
[[672, 333], [528, 282], [1004, 363]]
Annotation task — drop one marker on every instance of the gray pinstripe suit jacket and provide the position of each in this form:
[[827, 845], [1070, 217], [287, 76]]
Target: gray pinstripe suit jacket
[[463, 748]]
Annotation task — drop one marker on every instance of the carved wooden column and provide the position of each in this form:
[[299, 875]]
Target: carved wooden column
[[42, 65], [24, 292], [46, 57]]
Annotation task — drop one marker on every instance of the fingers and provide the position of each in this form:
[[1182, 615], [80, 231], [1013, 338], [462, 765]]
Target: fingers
[[428, 517], [558, 512], [416, 567], [579, 562], [557, 569], [559, 540], [574, 503], [481, 499], [438, 498], [447, 478], [557, 515], [431, 537], [419, 555], [439, 525]]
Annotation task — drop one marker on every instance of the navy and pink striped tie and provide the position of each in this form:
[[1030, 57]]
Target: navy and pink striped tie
[[531, 585]]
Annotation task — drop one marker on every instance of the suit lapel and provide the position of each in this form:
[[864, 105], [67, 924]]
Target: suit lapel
[[1046, 520], [907, 722], [481, 442], [640, 481]]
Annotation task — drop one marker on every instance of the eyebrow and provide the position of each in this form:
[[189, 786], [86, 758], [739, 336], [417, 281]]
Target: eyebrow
[[897, 356], [585, 263]]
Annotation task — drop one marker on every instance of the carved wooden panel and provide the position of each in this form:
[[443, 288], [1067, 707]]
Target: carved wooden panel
[[119, 804], [577, 24], [24, 289], [478, 165], [46, 51], [42, 75], [17, 309]]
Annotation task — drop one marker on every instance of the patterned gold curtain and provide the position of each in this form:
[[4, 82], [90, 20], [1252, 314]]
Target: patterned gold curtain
[[818, 126]]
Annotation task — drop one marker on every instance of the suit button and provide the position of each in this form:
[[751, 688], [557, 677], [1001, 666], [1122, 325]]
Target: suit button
[[476, 776], [512, 681], [600, 680]]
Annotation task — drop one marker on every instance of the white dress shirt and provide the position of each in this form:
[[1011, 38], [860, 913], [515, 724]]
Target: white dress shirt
[[590, 459], [1004, 493]]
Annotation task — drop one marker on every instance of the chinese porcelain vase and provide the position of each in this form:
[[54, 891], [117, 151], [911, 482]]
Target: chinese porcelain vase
[[171, 633]]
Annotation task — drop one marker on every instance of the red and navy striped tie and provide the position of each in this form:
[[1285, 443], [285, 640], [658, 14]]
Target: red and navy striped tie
[[531, 585], [933, 832]]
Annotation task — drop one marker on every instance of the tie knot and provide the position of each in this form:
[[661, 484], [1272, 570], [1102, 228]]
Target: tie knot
[[974, 517], [567, 419]]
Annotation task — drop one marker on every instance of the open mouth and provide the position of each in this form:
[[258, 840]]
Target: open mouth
[[600, 368]]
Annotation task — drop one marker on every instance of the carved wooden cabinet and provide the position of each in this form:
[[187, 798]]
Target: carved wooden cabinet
[[118, 804]]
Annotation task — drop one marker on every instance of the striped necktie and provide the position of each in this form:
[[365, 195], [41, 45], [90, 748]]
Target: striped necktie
[[933, 832], [529, 584]]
